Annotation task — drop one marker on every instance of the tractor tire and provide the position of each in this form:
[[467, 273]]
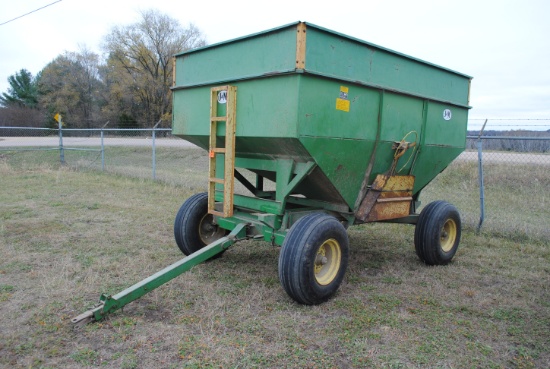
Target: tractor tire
[[437, 233], [313, 259], [194, 227]]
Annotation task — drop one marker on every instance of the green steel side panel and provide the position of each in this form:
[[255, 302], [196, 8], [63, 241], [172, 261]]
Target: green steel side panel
[[271, 148], [434, 160], [384, 158], [266, 107], [446, 125], [343, 162], [191, 112], [266, 53], [318, 114], [401, 116], [342, 57]]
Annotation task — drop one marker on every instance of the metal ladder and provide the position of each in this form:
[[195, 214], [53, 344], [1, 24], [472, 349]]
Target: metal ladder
[[229, 94]]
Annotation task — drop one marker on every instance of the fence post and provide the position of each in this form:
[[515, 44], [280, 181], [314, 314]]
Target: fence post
[[103, 148], [154, 150], [60, 128], [481, 185]]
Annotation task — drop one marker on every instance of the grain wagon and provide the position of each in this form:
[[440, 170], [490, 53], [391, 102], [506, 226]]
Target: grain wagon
[[308, 132]]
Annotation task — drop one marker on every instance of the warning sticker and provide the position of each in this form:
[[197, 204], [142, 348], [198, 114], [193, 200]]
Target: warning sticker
[[342, 102]]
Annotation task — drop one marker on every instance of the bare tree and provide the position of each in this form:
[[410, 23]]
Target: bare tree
[[71, 85], [139, 64]]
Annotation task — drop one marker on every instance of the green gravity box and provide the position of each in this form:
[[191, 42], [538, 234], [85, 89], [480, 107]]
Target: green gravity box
[[308, 94]]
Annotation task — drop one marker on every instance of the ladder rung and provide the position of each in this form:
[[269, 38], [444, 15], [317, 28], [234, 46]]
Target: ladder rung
[[216, 180], [218, 119], [220, 88], [215, 212], [216, 150]]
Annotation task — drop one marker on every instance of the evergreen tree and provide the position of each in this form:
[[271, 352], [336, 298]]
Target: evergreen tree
[[23, 91]]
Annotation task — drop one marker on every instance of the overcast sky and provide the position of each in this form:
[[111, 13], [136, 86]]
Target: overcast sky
[[504, 45]]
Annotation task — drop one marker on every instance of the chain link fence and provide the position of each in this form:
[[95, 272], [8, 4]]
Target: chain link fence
[[512, 141], [143, 153], [500, 173]]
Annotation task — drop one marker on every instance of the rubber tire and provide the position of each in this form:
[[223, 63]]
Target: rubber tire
[[187, 224], [298, 255], [430, 235]]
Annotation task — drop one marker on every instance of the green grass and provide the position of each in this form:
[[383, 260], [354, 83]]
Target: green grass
[[68, 234]]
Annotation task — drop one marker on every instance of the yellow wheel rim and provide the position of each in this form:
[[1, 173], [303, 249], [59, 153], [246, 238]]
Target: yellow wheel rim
[[447, 236], [327, 262]]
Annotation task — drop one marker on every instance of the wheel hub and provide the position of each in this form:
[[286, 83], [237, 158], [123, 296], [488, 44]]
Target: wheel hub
[[448, 235], [208, 231], [327, 262]]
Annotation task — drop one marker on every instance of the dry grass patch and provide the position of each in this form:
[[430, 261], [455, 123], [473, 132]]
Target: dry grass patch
[[66, 236]]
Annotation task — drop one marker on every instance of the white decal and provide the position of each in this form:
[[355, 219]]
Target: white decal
[[447, 114], [222, 97]]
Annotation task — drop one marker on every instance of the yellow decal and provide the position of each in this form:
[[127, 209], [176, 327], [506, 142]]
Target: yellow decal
[[342, 102]]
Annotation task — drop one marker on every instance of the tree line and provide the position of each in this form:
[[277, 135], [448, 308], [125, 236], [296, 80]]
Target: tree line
[[129, 87], [512, 141]]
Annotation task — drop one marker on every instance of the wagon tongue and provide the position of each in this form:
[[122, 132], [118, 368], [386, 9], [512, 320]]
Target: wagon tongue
[[108, 303], [85, 318]]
